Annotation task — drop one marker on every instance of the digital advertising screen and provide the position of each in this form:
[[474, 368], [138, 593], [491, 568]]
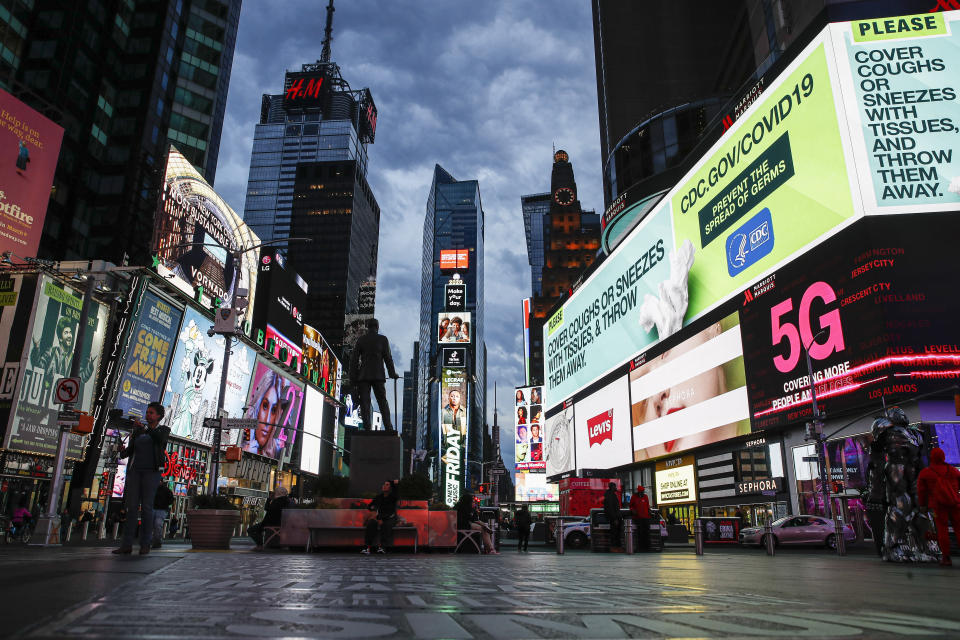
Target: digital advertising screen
[[533, 487], [32, 142], [196, 234], [691, 394], [275, 402], [193, 385], [454, 259], [322, 366], [149, 354], [876, 306], [33, 426], [454, 327], [675, 481], [454, 422], [305, 89], [278, 309], [602, 427], [559, 447], [528, 429], [312, 429]]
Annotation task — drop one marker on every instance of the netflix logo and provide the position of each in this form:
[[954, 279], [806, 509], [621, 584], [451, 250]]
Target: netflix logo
[[600, 428]]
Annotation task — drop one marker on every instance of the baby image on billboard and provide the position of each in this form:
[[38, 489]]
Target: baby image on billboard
[[691, 395], [274, 402]]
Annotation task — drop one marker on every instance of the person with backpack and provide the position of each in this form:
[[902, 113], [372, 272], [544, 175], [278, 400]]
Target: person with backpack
[[938, 488]]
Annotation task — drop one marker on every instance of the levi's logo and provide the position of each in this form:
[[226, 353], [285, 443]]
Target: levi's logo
[[600, 428]]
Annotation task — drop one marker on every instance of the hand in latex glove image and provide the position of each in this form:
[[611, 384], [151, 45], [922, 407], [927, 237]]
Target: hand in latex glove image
[[667, 311]]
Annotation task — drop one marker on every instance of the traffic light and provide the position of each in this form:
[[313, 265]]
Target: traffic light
[[483, 489]]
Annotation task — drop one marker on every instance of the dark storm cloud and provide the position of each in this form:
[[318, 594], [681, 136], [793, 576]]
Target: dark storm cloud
[[484, 89]]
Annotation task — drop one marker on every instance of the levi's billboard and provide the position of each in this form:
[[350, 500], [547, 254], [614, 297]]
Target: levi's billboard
[[25, 176], [774, 186], [602, 428]]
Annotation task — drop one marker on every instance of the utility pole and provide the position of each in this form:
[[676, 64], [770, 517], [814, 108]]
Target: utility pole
[[496, 448], [815, 431]]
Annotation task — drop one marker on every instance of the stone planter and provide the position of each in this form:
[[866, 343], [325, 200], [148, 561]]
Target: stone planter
[[212, 528]]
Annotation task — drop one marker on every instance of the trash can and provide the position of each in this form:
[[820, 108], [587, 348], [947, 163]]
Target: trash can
[[599, 532]]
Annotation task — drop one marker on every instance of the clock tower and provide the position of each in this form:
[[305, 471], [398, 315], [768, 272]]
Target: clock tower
[[563, 188]]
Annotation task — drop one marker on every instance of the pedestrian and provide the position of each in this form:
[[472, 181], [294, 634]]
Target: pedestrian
[[272, 516], [174, 526], [161, 509], [611, 509], [380, 528], [640, 508], [938, 488], [468, 517], [64, 524], [523, 523], [145, 448]]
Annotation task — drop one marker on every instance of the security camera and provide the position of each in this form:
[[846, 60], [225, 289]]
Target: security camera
[[210, 332]]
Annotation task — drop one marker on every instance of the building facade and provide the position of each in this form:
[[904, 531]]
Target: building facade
[[454, 222], [131, 80], [307, 179]]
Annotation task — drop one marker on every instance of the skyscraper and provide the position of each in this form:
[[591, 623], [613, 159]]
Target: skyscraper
[[453, 229], [129, 80], [308, 178], [562, 241]]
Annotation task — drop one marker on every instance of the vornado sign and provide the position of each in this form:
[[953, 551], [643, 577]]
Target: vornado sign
[[774, 186]]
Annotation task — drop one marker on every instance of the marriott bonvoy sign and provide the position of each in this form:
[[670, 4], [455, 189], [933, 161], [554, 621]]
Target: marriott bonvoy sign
[[875, 96]]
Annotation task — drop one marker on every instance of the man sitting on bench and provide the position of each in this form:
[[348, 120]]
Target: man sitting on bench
[[380, 529]]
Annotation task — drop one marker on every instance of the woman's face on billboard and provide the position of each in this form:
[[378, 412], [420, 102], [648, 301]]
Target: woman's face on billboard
[[268, 416]]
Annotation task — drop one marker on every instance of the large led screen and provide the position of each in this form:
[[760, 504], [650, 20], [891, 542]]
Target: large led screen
[[149, 354], [454, 422], [533, 487], [193, 385], [312, 429], [528, 429], [32, 144], [558, 442], [454, 327], [691, 394], [877, 308], [602, 425], [275, 402], [322, 366], [196, 234], [33, 428]]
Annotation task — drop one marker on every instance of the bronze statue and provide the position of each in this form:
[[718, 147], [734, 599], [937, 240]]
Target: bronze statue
[[369, 355]]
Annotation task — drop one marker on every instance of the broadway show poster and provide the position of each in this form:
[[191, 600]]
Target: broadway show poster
[[454, 420], [52, 345], [29, 148], [877, 308], [196, 235], [322, 366], [275, 402], [149, 355], [194, 381]]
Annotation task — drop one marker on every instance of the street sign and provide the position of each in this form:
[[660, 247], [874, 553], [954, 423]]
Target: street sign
[[239, 423], [68, 419], [67, 390], [811, 458], [498, 471]]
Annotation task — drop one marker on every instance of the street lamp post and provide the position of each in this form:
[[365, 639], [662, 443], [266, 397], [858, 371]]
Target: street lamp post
[[815, 430]]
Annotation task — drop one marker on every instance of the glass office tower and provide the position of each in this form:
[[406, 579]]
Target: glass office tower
[[454, 221]]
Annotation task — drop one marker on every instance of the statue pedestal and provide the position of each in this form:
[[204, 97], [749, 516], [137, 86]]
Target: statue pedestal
[[375, 457]]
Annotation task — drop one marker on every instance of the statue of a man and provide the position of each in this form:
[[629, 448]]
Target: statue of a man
[[367, 361]]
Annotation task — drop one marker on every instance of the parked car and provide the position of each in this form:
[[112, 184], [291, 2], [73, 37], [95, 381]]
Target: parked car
[[576, 533], [798, 530]]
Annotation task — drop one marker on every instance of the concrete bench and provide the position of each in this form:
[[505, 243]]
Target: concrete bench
[[315, 531]]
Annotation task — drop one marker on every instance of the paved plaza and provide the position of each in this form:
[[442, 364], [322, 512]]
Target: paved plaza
[[178, 593]]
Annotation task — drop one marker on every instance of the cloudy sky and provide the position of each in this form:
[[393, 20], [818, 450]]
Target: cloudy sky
[[485, 89]]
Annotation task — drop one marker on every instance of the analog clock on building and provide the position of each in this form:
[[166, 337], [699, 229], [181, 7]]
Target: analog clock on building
[[564, 196]]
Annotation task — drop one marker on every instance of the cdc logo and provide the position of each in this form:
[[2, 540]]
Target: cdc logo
[[750, 242]]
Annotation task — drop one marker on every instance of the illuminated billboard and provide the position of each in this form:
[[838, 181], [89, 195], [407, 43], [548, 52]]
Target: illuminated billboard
[[275, 402], [193, 384], [558, 442], [602, 427], [821, 146], [454, 327], [454, 259], [877, 307], [196, 235], [322, 366], [675, 481], [454, 421], [312, 429], [691, 394], [533, 487], [528, 429], [306, 89], [525, 314], [278, 309], [32, 144]]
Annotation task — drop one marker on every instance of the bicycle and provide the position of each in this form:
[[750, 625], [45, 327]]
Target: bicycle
[[19, 532]]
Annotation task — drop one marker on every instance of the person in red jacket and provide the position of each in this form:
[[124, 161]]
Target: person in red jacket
[[640, 508], [938, 488]]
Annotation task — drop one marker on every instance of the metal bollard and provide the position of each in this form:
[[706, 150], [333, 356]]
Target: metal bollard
[[628, 535], [69, 530], [768, 537], [698, 536], [84, 529], [116, 530], [559, 536], [838, 536]]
